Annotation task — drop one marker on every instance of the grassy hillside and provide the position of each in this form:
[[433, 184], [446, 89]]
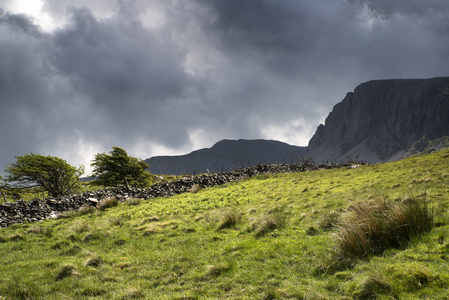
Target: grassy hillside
[[268, 237]]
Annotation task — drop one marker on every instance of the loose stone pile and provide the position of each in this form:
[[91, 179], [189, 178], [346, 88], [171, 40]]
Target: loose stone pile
[[38, 210]]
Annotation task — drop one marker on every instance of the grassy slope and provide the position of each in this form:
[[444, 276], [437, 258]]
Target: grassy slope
[[170, 248]]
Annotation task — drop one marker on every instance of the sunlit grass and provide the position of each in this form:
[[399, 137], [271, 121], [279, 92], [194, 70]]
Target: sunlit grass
[[268, 237]]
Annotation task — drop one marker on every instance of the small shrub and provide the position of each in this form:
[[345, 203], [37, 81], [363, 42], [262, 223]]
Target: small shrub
[[107, 203], [372, 227]]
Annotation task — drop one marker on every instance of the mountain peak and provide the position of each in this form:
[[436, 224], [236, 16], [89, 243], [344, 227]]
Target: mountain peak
[[380, 120], [226, 155]]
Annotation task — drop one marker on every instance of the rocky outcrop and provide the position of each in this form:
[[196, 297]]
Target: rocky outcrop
[[38, 210], [382, 118], [225, 156]]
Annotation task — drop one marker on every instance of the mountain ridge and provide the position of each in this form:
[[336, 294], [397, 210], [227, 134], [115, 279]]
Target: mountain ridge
[[381, 120], [226, 155]]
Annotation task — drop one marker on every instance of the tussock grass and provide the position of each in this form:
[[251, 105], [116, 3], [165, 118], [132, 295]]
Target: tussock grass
[[217, 270], [228, 219], [268, 223], [80, 226], [41, 231], [66, 270], [195, 188], [372, 227], [86, 209], [134, 293], [134, 201], [107, 203], [329, 221], [93, 262], [3, 239], [371, 288]]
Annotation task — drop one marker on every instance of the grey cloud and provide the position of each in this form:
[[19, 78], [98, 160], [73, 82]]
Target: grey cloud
[[20, 22], [100, 80], [22, 86], [298, 37], [207, 69], [108, 59], [126, 72], [406, 7]]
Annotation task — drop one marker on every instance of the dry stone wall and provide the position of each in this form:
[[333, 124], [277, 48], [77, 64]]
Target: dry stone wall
[[38, 210]]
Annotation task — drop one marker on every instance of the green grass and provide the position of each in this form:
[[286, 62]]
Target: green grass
[[268, 237]]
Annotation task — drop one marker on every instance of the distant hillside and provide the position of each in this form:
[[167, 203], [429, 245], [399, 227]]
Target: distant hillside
[[382, 120], [227, 155]]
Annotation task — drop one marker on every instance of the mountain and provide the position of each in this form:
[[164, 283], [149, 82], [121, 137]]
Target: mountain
[[226, 155], [381, 120]]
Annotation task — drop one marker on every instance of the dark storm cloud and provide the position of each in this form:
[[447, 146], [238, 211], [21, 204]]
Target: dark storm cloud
[[331, 36], [99, 81], [22, 85], [127, 72], [176, 74]]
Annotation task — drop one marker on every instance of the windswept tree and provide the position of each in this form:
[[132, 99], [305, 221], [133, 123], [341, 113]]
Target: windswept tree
[[52, 173], [117, 168]]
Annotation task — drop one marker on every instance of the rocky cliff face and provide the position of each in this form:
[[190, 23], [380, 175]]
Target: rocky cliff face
[[382, 118]]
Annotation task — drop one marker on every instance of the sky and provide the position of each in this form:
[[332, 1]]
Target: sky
[[166, 77]]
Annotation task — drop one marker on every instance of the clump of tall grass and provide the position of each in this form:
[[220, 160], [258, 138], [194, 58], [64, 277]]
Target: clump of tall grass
[[269, 223], [371, 288], [370, 228], [228, 219], [93, 262], [217, 270], [134, 201], [66, 270], [41, 230], [107, 203], [195, 188], [329, 221], [86, 209]]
